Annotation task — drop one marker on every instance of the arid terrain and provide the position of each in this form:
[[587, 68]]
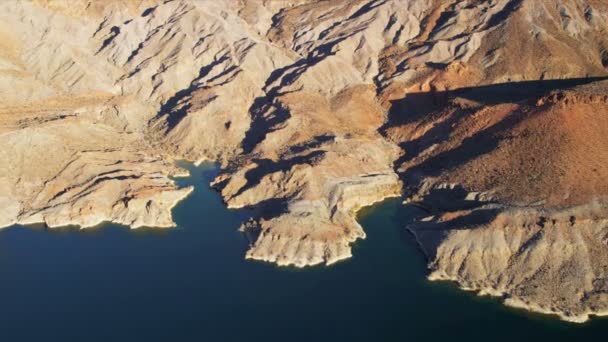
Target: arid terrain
[[489, 114]]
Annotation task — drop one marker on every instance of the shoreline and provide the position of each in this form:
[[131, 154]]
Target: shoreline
[[503, 297]]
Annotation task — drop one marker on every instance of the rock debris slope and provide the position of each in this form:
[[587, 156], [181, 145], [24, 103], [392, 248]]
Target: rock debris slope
[[484, 112]]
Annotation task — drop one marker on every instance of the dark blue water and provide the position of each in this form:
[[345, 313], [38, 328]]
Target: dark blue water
[[192, 284]]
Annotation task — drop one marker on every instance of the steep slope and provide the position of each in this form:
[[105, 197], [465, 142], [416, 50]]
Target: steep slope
[[516, 189]]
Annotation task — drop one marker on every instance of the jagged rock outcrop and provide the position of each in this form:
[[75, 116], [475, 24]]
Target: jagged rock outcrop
[[314, 109]]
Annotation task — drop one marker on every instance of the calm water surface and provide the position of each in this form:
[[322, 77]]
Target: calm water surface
[[192, 284]]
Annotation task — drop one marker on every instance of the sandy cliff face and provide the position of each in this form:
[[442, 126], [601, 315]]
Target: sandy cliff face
[[314, 109]]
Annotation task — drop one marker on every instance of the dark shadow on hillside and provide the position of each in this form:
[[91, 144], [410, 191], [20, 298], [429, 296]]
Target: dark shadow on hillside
[[176, 108], [430, 234], [417, 106], [266, 117], [315, 142], [503, 14], [415, 222], [266, 113], [450, 199], [271, 207], [265, 210], [471, 148], [114, 32], [267, 166]]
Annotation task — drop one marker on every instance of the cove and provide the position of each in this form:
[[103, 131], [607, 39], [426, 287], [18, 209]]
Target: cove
[[192, 283]]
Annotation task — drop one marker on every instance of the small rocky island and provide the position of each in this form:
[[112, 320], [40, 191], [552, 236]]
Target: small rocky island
[[491, 115]]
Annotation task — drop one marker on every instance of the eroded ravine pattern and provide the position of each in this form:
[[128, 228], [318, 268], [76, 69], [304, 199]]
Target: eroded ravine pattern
[[314, 109]]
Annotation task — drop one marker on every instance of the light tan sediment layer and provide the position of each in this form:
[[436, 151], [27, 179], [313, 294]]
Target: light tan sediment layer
[[545, 261], [72, 172], [314, 231]]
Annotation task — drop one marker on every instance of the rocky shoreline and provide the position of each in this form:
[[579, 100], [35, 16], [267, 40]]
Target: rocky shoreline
[[314, 109]]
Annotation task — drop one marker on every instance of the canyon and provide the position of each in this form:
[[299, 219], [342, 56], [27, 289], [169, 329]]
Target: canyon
[[488, 114]]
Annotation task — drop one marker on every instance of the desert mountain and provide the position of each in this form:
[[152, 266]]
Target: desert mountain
[[490, 114]]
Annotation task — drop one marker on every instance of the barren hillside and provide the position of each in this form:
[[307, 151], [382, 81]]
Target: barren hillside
[[491, 114]]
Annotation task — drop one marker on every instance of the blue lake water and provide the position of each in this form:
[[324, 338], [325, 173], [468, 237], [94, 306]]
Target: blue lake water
[[193, 284]]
